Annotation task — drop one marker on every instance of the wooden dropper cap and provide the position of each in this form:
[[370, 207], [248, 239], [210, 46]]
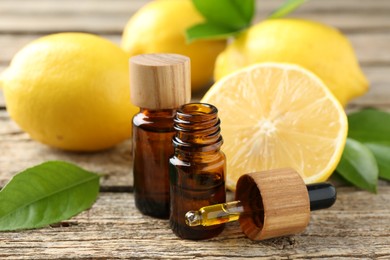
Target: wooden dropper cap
[[160, 81], [279, 201]]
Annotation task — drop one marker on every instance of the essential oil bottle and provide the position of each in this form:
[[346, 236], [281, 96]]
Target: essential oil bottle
[[197, 168], [160, 83]]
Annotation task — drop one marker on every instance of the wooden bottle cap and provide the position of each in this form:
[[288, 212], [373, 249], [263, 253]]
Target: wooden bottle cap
[[160, 81], [279, 200]]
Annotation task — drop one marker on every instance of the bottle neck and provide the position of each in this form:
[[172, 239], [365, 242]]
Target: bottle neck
[[158, 113], [197, 130], [155, 120]]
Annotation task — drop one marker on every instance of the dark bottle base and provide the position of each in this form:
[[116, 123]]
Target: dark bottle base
[[195, 233], [152, 208]]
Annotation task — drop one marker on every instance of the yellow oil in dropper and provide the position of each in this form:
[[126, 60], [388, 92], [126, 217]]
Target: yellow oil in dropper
[[321, 195], [215, 214]]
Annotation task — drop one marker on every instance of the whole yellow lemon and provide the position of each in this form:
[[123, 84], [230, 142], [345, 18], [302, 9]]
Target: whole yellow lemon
[[314, 46], [159, 27], [70, 91]]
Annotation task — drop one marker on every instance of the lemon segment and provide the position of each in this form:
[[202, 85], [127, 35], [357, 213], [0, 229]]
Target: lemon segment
[[276, 116]]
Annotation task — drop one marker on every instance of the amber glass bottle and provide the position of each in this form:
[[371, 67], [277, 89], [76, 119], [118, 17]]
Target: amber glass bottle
[[160, 83], [197, 168]]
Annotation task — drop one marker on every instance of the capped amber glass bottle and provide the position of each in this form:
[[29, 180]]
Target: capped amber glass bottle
[[160, 83], [197, 168]]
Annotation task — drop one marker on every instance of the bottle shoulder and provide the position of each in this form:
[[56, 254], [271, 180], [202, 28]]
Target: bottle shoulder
[[214, 158]]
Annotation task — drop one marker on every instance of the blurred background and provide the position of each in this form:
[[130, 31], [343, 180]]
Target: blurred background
[[365, 23]]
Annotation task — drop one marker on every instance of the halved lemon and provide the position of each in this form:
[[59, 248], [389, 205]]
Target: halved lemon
[[277, 115]]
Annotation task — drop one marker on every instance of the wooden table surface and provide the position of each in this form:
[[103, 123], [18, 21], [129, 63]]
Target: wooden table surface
[[357, 226]]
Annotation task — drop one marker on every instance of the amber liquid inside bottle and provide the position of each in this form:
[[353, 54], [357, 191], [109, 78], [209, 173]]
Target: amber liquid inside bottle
[[152, 147], [197, 169]]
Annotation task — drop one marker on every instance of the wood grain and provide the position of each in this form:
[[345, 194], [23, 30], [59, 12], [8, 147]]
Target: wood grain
[[283, 199], [355, 227], [18, 151], [124, 6], [104, 17], [368, 50], [160, 81]]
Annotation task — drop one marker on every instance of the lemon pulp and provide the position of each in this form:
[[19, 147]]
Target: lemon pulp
[[276, 116]]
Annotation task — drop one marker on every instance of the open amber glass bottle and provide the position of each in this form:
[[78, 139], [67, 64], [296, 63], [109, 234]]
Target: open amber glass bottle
[[197, 168]]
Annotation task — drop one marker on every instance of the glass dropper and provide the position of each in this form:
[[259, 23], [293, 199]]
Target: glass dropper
[[321, 196]]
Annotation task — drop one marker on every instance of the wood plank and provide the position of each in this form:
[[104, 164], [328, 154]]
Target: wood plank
[[355, 227], [85, 7], [2, 100], [18, 152], [66, 22], [378, 94], [369, 48], [97, 23], [124, 6], [111, 16]]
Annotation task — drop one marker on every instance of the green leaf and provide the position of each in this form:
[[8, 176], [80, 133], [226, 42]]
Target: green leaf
[[224, 18], [370, 126], [382, 156], [208, 31], [230, 14], [358, 165], [46, 194], [286, 8]]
